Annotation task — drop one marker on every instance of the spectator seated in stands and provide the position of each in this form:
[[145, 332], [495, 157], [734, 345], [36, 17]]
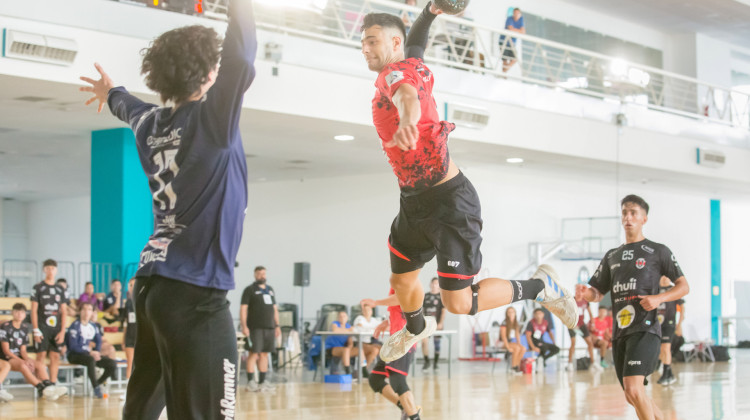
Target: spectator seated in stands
[[14, 335], [510, 334], [88, 296], [107, 350], [409, 17], [71, 307], [366, 323], [601, 330], [113, 302], [80, 334], [535, 330], [341, 345]]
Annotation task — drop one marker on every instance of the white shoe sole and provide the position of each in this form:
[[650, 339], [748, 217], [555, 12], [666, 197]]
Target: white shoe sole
[[556, 298], [399, 343]]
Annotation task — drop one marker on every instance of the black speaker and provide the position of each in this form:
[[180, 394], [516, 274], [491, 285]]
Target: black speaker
[[302, 274]]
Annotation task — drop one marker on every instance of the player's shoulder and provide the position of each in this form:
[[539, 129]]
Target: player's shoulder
[[657, 248]]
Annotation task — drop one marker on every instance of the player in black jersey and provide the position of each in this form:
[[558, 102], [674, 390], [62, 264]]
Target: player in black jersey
[[632, 273], [667, 314], [433, 306], [49, 305]]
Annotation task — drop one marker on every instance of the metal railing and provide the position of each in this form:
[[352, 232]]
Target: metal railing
[[461, 43]]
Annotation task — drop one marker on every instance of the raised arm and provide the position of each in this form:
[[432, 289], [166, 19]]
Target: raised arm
[[236, 73], [419, 34]]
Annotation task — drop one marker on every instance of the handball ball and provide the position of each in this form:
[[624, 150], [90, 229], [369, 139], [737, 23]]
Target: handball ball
[[452, 7]]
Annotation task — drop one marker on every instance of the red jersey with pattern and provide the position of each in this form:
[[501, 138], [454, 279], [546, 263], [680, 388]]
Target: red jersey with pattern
[[395, 316], [582, 305], [419, 169]]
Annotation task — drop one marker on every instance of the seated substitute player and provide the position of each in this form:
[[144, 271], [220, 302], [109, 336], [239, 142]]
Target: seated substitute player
[[535, 330], [632, 273], [433, 306], [667, 314], [601, 328], [389, 379], [366, 323], [510, 334], [14, 336], [341, 346], [48, 318], [440, 213], [80, 334], [583, 307], [113, 301]]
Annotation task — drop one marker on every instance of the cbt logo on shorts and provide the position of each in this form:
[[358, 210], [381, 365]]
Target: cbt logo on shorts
[[625, 316], [640, 263]]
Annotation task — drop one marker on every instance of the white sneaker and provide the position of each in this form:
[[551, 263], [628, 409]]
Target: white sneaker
[[61, 391], [50, 393], [123, 395], [571, 367], [252, 386], [399, 343], [556, 298], [5, 396], [267, 387], [596, 367]]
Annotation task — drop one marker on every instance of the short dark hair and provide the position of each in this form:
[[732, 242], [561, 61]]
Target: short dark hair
[[115, 281], [603, 307], [49, 262], [385, 20], [259, 268], [61, 280], [434, 279], [516, 10], [87, 283], [91, 305], [632, 198], [178, 62], [538, 310], [19, 307]]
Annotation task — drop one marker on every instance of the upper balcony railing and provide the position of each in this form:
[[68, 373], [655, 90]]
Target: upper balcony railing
[[464, 44]]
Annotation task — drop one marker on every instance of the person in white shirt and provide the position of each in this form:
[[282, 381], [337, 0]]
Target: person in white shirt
[[370, 345]]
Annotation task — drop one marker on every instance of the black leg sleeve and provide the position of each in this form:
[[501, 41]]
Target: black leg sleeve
[[416, 42]]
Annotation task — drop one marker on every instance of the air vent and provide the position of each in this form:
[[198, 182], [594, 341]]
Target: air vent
[[711, 158], [37, 47], [467, 116]]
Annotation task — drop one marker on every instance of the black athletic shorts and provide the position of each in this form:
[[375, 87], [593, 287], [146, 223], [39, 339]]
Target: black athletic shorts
[[584, 331], [263, 340], [48, 342], [636, 354], [667, 332], [445, 220], [398, 366]]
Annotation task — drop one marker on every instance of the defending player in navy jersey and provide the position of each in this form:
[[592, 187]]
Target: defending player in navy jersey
[[193, 157], [440, 213], [632, 274]]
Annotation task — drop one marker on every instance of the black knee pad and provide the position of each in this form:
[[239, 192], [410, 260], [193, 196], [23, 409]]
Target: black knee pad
[[377, 382], [398, 383], [474, 299]]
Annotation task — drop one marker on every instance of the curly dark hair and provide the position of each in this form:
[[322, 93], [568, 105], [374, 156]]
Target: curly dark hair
[[178, 62]]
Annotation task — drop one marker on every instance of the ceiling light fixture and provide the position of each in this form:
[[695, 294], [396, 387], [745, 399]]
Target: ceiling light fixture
[[514, 160], [343, 137]]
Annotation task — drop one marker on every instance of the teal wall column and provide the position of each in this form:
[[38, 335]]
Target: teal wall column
[[121, 218], [715, 269]]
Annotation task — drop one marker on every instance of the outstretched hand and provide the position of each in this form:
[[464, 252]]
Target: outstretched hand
[[100, 88]]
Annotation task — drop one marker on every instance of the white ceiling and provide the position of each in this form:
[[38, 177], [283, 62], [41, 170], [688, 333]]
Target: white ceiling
[[45, 148], [728, 20]]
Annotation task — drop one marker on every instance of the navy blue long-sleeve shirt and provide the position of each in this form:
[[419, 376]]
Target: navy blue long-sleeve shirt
[[196, 168], [79, 336]]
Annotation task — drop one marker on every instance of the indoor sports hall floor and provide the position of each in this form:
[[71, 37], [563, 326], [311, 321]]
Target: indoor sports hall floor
[[704, 391]]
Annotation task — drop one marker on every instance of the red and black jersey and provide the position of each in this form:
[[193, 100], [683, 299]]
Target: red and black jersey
[[419, 169]]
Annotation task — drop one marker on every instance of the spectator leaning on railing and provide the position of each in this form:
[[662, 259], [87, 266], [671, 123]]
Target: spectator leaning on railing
[[513, 23]]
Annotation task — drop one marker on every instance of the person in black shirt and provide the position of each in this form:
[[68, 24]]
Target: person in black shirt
[[259, 316], [48, 318], [433, 306], [113, 302], [632, 273], [667, 314]]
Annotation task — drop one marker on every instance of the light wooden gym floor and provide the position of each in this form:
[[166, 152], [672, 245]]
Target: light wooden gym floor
[[704, 391]]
